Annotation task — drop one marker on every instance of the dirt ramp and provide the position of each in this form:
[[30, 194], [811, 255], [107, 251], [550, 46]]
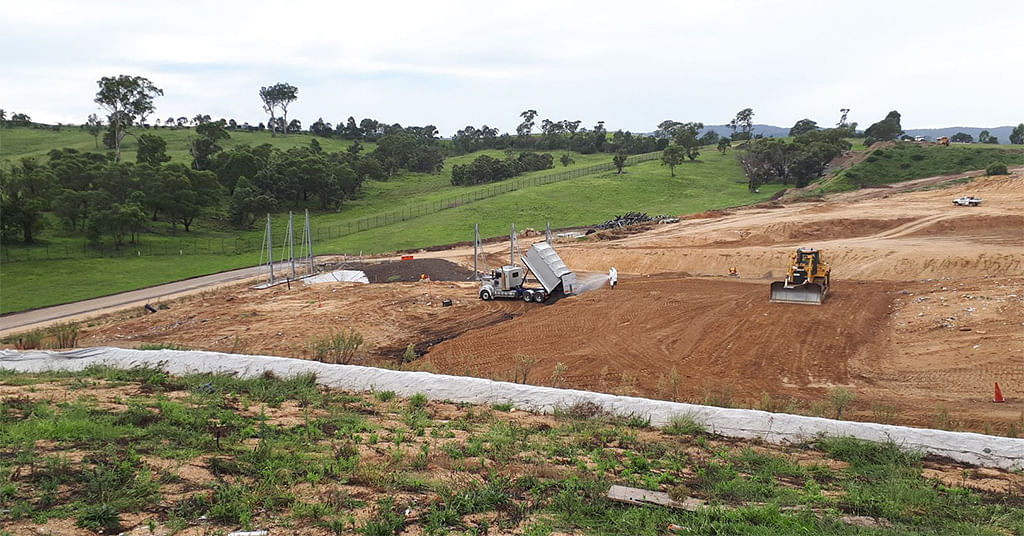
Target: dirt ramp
[[715, 334]]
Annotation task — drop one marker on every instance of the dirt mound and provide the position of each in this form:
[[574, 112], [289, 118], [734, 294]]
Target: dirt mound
[[412, 271], [712, 333], [983, 228]]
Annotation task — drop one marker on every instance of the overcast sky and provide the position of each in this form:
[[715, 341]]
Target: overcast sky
[[452, 64]]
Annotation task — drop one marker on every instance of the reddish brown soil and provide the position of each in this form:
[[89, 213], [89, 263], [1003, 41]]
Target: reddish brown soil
[[926, 313]]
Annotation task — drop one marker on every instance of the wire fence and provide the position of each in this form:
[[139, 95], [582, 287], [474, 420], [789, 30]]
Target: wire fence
[[322, 233]]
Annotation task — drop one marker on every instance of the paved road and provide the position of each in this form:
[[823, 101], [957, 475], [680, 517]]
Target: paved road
[[134, 298]]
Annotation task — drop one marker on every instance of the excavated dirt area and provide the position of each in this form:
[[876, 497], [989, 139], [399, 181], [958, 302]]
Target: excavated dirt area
[[926, 312]]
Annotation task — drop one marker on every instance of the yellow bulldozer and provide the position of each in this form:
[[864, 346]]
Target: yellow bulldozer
[[807, 281]]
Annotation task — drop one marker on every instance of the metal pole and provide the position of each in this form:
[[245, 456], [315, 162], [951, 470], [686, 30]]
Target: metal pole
[[270, 250], [548, 232], [476, 250], [291, 243], [512, 246], [312, 267]]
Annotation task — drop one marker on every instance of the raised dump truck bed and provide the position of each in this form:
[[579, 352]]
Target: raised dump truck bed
[[548, 268]]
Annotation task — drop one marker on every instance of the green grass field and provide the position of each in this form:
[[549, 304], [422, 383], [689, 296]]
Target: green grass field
[[291, 457], [907, 161], [20, 142], [712, 183]]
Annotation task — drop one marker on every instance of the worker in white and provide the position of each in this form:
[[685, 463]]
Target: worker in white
[[613, 277]]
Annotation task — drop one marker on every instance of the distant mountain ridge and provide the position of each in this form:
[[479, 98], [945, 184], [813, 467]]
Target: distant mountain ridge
[[772, 131]]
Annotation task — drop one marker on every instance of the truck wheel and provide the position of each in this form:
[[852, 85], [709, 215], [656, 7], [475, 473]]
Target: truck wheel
[[528, 296], [485, 295], [539, 297]]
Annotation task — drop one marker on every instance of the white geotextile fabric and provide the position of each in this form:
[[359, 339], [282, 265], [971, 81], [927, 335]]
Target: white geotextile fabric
[[355, 276], [976, 449]]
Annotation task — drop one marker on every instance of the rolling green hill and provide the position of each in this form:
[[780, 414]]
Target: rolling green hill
[[20, 142], [411, 210], [714, 182], [906, 161]]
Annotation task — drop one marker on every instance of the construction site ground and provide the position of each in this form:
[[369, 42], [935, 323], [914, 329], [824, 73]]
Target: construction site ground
[[926, 312]]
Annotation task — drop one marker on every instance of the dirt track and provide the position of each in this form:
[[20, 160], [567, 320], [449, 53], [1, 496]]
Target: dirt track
[[927, 311]]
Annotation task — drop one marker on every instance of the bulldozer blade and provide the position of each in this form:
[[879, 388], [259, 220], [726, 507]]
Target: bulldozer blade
[[808, 294]]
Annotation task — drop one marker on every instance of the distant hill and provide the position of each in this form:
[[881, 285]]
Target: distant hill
[[1002, 133], [772, 131], [768, 131]]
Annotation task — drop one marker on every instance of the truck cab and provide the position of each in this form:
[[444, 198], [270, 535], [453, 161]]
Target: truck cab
[[508, 277]]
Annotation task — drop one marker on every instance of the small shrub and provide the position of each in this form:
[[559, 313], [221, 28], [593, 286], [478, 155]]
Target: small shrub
[[504, 406], [521, 368], [336, 347], [582, 410], [684, 425], [99, 517], [30, 340], [66, 334], [840, 398], [410, 354], [384, 396], [996, 169], [559, 374], [418, 401], [388, 521], [162, 346]]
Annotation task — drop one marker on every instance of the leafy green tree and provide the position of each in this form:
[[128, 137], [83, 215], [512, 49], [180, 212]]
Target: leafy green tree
[[526, 127], [1017, 136], [803, 126], [237, 163], [369, 168], [724, 144], [119, 221], [685, 135], [152, 150], [25, 193], [118, 180], [672, 156], [204, 146], [743, 124], [20, 120], [127, 98], [985, 137], [94, 125], [248, 202], [320, 128], [566, 159], [3, 118], [619, 161], [961, 137], [75, 208], [709, 138], [279, 95], [885, 130]]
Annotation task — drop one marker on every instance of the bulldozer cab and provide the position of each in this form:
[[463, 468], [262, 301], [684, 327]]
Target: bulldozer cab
[[807, 281]]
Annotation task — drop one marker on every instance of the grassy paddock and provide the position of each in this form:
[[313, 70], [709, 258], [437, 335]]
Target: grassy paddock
[[716, 181], [907, 161], [28, 285], [288, 456]]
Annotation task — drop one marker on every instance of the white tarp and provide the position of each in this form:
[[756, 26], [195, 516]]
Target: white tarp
[[354, 276], [977, 449]]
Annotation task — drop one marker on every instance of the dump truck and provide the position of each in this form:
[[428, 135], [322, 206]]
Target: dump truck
[[807, 281], [546, 266]]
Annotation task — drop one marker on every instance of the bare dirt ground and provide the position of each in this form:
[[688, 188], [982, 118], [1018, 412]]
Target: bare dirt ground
[[926, 312]]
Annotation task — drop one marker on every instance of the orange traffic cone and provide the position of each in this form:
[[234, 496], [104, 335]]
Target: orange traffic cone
[[999, 394]]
